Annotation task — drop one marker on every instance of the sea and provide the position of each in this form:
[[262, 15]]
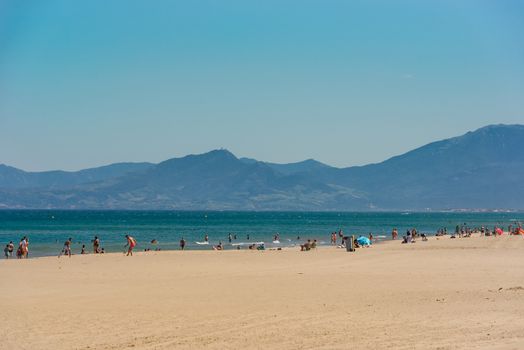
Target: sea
[[48, 229]]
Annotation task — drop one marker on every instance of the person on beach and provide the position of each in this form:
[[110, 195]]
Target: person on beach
[[394, 234], [131, 243], [96, 245], [182, 243], [11, 248], [6, 251], [247, 236], [333, 238], [306, 246], [230, 238], [206, 238], [83, 251], [67, 248], [219, 246], [371, 237], [23, 248]]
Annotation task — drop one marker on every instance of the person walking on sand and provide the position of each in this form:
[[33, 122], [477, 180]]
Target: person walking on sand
[[83, 251], [131, 243], [96, 245]]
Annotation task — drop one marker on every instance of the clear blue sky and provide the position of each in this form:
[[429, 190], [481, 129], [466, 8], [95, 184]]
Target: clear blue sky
[[85, 83]]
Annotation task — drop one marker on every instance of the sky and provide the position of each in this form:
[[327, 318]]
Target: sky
[[88, 83]]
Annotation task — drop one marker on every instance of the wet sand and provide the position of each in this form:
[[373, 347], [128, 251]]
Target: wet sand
[[442, 294]]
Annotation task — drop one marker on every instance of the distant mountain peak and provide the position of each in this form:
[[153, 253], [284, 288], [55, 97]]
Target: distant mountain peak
[[222, 152]]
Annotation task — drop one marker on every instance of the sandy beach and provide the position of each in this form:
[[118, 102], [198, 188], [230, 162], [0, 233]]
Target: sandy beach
[[442, 294]]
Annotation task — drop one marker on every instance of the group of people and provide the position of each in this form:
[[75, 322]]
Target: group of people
[[23, 247], [411, 235], [21, 253], [308, 245], [67, 248], [334, 235]]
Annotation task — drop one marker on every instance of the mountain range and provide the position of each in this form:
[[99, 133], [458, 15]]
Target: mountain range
[[483, 169]]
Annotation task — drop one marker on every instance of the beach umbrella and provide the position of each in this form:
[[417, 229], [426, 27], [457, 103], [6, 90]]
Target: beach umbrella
[[363, 241]]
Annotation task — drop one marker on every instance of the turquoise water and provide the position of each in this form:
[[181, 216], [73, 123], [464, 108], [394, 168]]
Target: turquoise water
[[48, 229]]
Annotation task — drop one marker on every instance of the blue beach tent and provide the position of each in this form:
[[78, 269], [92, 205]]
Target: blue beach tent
[[363, 240]]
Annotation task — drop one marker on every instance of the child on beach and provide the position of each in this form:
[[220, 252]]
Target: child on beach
[[6, 251]]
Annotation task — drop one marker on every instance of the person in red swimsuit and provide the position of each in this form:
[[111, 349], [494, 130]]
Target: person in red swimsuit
[[131, 243]]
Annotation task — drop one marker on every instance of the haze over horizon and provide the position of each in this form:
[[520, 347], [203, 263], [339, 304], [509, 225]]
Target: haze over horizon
[[89, 84]]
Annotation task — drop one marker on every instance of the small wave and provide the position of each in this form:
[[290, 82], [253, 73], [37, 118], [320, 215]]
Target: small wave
[[245, 243]]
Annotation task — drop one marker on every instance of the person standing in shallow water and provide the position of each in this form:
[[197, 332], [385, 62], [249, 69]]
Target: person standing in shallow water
[[334, 238], [22, 248], [182, 243], [10, 248], [131, 243], [394, 234], [96, 245], [67, 247]]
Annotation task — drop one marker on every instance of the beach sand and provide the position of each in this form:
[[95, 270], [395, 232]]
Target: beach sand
[[442, 294]]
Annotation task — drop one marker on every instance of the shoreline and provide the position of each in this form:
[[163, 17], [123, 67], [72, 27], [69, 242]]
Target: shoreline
[[209, 248]]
